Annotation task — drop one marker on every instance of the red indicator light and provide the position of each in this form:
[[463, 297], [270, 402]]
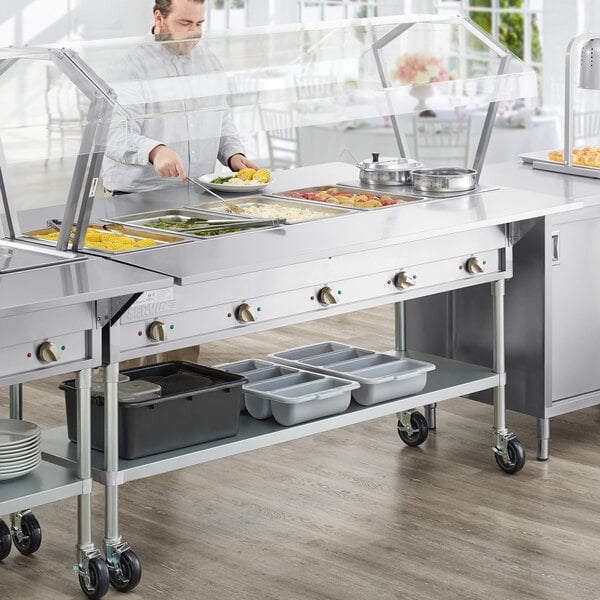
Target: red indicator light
[[229, 315], [140, 333], [29, 355]]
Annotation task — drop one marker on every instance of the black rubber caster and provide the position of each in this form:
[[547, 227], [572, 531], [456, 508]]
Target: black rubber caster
[[99, 579], [419, 423], [516, 457], [29, 539], [5, 540], [129, 574]]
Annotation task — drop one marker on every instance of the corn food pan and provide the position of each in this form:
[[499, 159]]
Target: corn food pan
[[105, 241], [270, 207], [348, 197]]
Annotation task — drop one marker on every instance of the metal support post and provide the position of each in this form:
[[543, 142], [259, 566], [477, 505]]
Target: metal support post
[[113, 544], [15, 396], [400, 326], [543, 438], [86, 550]]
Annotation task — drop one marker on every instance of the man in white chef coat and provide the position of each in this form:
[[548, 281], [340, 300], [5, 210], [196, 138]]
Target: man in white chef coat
[[174, 92]]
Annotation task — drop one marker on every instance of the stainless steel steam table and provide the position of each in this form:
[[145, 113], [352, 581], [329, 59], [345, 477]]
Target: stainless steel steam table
[[242, 283]]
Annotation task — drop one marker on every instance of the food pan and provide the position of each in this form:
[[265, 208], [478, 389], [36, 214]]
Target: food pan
[[381, 376], [290, 395], [190, 222], [139, 235], [354, 198], [444, 179], [292, 210]]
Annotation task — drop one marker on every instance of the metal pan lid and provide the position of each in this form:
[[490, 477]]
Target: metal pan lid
[[387, 163], [450, 172]]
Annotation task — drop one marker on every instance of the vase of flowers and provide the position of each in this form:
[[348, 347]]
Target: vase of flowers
[[419, 70]]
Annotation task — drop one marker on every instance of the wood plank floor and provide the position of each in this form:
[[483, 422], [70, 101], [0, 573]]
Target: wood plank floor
[[351, 514]]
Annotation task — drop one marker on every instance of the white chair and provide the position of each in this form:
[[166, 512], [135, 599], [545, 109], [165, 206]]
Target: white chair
[[242, 99], [65, 112], [442, 142], [282, 138], [314, 87], [586, 128]]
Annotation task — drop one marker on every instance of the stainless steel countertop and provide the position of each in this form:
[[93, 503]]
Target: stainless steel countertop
[[567, 188], [62, 285], [207, 259]]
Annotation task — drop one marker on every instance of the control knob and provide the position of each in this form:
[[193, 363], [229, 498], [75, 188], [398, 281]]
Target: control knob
[[157, 331], [48, 352], [244, 313], [474, 266], [403, 280], [326, 296]]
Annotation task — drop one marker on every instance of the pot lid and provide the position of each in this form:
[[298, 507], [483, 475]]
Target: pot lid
[[388, 163]]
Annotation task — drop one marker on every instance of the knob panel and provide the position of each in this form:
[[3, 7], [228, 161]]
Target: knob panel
[[244, 313], [326, 296], [474, 266], [157, 331], [403, 280], [48, 352]]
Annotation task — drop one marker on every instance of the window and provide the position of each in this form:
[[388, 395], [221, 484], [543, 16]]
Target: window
[[517, 24], [319, 10], [226, 14]]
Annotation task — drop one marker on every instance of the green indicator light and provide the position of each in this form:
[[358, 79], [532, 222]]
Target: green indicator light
[[485, 262], [63, 348], [171, 326], [258, 309], [339, 292], [414, 276]]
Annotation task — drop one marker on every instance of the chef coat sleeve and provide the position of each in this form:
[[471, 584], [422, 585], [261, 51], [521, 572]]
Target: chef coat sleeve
[[126, 144], [229, 143]]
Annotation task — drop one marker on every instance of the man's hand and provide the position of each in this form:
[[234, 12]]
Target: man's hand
[[167, 163], [239, 161]]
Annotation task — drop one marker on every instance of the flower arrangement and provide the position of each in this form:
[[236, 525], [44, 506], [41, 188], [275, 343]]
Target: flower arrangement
[[419, 69]]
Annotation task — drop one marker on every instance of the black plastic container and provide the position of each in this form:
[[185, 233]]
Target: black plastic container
[[198, 404]]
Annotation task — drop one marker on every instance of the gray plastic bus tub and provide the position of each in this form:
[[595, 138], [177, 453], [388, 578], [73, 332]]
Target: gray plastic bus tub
[[291, 395], [198, 404], [381, 376], [256, 370]]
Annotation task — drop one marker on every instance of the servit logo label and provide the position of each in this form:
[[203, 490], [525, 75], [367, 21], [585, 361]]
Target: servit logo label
[[150, 304]]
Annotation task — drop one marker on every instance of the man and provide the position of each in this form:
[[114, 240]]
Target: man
[[174, 94]]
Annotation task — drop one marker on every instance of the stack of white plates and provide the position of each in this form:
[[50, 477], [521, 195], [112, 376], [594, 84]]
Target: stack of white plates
[[20, 447]]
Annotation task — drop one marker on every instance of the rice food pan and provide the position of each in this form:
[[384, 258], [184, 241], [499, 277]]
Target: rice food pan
[[290, 395], [349, 197], [292, 210], [180, 404], [382, 377]]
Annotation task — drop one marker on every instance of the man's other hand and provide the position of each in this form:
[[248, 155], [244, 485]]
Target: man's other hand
[[239, 161], [167, 163]]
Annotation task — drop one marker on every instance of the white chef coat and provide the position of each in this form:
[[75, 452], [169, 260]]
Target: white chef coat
[[171, 99]]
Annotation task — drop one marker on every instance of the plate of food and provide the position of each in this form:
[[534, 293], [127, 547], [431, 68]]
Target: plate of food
[[245, 180]]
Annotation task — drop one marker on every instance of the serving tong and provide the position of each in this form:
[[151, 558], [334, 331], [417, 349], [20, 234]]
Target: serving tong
[[231, 206]]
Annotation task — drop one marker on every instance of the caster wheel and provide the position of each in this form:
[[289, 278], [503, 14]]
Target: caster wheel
[[30, 538], [5, 540], [130, 572], [99, 580], [516, 457], [419, 423]]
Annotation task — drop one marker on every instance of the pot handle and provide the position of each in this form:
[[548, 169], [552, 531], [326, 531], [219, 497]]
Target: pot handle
[[375, 156]]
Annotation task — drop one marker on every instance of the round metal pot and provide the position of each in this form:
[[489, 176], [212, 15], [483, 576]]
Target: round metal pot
[[387, 171], [444, 179]]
